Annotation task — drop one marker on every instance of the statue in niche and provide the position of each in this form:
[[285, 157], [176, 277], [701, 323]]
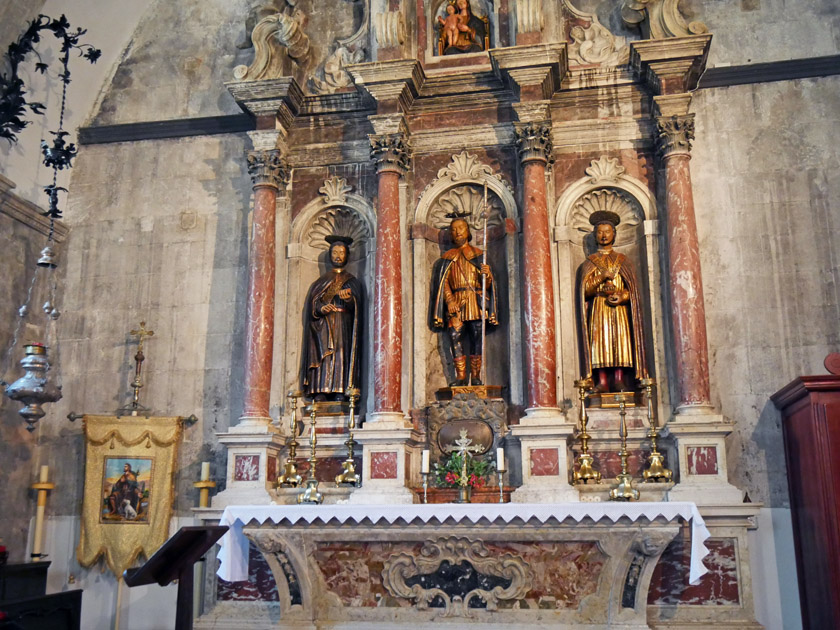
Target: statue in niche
[[458, 303], [461, 31], [331, 337], [612, 328]]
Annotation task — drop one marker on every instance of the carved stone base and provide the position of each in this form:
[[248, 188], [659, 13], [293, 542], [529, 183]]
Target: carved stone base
[[481, 391]]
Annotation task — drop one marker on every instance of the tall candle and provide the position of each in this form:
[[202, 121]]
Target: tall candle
[[500, 459], [205, 471], [45, 473], [424, 462]]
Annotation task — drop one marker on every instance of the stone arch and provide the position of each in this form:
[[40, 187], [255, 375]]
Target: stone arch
[[460, 185], [607, 186], [336, 210]]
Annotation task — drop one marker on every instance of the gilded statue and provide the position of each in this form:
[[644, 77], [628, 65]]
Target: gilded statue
[[331, 338], [458, 304], [611, 312]]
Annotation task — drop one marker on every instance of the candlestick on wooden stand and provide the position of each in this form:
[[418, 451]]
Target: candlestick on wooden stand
[[656, 470], [500, 470], [585, 472], [424, 471], [43, 486], [349, 475], [290, 476], [310, 494], [624, 491], [204, 485]]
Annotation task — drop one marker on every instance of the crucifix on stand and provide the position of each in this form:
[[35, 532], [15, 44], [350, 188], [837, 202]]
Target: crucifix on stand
[[464, 447], [135, 407]]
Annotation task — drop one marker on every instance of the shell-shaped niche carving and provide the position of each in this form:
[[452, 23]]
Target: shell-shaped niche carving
[[466, 201], [340, 221], [609, 199]]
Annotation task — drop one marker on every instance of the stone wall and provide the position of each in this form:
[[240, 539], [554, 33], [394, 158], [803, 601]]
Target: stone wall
[[766, 186]]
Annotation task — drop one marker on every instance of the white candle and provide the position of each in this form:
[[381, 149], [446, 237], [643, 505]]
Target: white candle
[[500, 459], [45, 473], [205, 471], [424, 462]]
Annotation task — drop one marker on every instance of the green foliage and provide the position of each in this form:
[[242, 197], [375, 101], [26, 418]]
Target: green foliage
[[447, 472]]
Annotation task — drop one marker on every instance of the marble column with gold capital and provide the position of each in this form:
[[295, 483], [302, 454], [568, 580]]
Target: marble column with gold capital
[[688, 313], [534, 146], [268, 174], [390, 152]]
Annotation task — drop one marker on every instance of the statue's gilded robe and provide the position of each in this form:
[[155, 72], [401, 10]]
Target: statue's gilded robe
[[612, 336], [457, 277]]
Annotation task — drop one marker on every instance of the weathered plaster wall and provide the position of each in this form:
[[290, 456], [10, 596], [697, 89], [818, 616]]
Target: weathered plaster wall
[[767, 191], [158, 234], [757, 31], [19, 248]]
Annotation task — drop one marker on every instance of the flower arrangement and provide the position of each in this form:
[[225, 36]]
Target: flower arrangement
[[447, 472]]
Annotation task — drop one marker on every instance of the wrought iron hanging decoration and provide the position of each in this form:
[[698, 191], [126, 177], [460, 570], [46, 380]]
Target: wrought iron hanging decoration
[[34, 388]]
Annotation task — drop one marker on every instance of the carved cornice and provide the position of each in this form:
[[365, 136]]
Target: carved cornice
[[267, 168], [281, 98], [533, 140], [674, 135], [670, 66], [393, 85], [532, 72], [660, 19], [391, 152]]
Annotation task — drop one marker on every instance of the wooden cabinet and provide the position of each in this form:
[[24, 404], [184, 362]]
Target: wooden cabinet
[[810, 408]]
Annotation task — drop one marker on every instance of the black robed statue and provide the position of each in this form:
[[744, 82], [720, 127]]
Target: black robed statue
[[331, 337]]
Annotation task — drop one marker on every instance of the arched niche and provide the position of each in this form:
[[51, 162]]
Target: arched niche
[[607, 187], [335, 211], [459, 188]]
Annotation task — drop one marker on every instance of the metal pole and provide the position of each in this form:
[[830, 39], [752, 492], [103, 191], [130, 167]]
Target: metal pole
[[484, 297]]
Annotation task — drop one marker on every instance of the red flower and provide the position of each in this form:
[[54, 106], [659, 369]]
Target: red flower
[[451, 477]]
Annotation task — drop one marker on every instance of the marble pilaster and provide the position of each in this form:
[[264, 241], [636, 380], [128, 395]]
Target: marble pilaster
[[390, 151], [267, 173], [534, 146]]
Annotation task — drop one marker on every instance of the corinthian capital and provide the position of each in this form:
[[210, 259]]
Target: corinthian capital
[[533, 139], [675, 134], [267, 168], [391, 152]]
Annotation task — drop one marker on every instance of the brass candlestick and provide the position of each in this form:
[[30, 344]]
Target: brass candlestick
[[656, 470], [585, 472], [624, 491], [310, 493], [349, 474], [290, 476]]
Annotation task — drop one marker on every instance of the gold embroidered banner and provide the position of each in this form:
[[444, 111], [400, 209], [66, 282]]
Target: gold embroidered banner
[[129, 488]]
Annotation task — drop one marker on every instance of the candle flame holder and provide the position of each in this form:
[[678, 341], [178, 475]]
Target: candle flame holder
[[585, 472], [624, 491]]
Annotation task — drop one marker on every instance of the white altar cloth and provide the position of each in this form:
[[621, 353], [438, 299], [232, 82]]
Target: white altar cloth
[[233, 552]]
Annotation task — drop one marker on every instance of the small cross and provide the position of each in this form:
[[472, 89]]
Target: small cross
[[142, 332]]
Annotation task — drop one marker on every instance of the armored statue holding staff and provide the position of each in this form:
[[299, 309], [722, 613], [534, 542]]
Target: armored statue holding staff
[[463, 297], [332, 330], [611, 314]]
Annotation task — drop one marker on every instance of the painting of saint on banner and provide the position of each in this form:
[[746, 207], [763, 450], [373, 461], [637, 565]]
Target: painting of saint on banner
[[126, 489]]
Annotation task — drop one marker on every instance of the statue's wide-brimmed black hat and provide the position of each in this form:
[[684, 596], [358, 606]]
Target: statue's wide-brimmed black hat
[[332, 239], [604, 216]]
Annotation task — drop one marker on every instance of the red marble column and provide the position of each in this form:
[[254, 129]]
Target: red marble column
[[390, 152], [534, 146], [688, 312], [266, 171]]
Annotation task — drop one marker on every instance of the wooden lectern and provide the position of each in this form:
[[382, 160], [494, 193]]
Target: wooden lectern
[[174, 561], [810, 408]]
